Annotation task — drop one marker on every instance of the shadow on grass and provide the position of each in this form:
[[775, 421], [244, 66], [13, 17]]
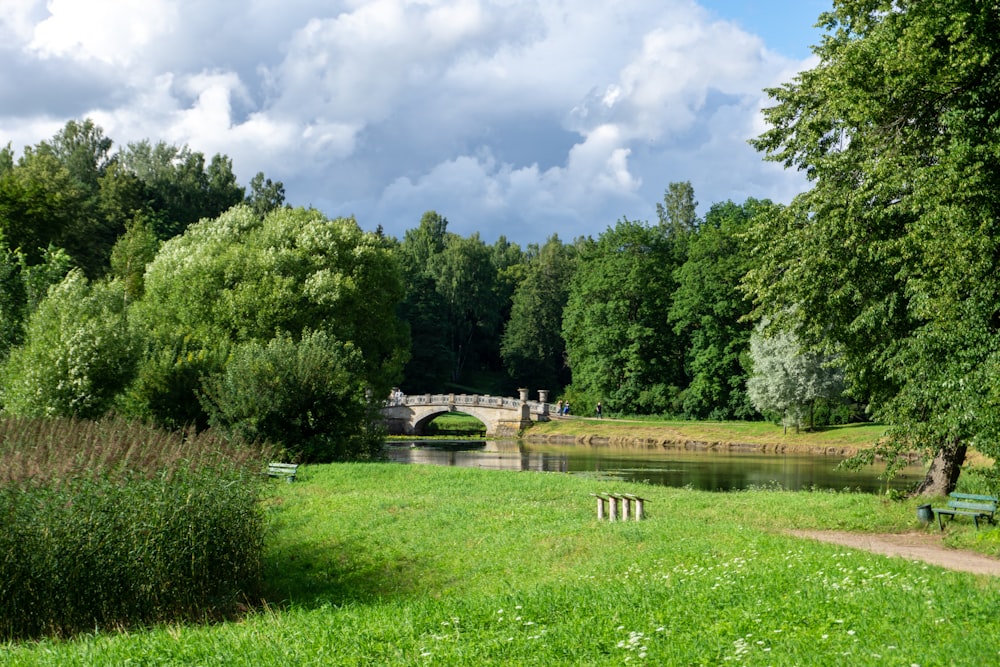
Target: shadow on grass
[[310, 575]]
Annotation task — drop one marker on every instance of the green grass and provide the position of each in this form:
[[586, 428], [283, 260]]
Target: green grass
[[384, 564]]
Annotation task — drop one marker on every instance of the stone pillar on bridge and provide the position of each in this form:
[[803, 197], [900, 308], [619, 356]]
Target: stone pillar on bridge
[[523, 391], [543, 398]]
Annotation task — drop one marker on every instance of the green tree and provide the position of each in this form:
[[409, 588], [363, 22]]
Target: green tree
[[458, 297], [431, 360], [134, 250], [710, 310], [678, 210], [83, 149], [85, 152], [78, 353], [510, 265], [788, 380], [533, 349], [465, 278], [265, 195], [620, 346], [178, 186], [892, 257], [23, 286], [238, 279], [38, 201]]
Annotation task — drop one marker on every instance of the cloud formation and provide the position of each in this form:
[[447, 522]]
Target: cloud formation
[[522, 118]]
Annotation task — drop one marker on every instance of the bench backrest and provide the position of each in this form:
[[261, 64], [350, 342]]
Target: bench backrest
[[985, 508], [973, 496]]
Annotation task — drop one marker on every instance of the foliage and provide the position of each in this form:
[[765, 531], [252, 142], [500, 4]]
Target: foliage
[[39, 199], [85, 153], [711, 311], [22, 288], [532, 347], [678, 210], [893, 254], [273, 328], [180, 188], [307, 396], [135, 249], [111, 525], [240, 279], [465, 277], [265, 195], [78, 353], [619, 344], [788, 380], [432, 358], [168, 382], [458, 296]]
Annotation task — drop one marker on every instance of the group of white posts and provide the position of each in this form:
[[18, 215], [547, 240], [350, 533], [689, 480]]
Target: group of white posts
[[613, 500]]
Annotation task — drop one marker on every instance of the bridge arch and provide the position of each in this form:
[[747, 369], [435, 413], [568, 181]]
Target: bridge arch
[[420, 427]]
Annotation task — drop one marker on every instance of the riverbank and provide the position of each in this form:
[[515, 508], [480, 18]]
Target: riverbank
[[759, 437]]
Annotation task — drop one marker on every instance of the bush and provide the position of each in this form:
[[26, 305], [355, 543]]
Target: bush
[[307, 396], [168, 384], [109, 525]]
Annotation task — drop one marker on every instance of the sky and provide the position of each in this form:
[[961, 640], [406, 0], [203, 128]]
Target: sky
[[520, 118]]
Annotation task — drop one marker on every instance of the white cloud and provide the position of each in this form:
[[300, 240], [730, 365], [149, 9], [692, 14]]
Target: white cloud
[[521, 117], [17, 19], [111, 31]]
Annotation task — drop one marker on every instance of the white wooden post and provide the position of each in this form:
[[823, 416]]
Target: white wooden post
[[612, 508], [624, 508], [600, 506]]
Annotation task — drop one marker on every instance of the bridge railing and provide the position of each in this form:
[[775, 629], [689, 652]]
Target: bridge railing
[[536, 407], [455, 399]]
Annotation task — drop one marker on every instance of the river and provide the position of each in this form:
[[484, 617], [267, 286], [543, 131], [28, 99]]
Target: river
[[705, 470]]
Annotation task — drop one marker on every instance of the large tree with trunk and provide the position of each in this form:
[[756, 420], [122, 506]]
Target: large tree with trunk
[[892, 257]]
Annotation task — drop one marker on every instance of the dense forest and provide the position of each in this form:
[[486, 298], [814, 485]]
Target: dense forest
[[147, 282]]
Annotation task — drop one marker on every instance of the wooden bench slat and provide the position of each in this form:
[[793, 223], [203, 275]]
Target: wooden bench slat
[[979, 507]]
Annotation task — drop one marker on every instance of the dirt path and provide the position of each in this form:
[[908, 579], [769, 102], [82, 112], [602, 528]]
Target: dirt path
[[912, 546]]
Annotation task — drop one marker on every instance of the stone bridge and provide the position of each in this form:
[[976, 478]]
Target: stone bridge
[[503, 417]]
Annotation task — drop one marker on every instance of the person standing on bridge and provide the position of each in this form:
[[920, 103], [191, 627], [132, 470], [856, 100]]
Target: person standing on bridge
[[598, 410]]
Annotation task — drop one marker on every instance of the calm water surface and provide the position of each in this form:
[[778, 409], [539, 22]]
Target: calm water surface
[[705, 470]]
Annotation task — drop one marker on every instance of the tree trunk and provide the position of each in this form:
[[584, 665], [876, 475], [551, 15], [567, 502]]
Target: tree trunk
[[943, 473]]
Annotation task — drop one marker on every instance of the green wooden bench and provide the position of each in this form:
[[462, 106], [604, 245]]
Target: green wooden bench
[[286, 470], [968, 504]]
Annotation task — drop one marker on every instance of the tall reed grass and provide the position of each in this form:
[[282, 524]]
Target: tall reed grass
[[112, 524]]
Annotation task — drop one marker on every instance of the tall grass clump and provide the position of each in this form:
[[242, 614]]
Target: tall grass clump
[[111, 524]]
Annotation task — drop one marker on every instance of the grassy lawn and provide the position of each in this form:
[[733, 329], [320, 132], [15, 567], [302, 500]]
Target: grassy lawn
[[383, 564]]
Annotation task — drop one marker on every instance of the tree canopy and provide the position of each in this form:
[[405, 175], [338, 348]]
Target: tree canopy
[[891, 258], [620, 345]]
